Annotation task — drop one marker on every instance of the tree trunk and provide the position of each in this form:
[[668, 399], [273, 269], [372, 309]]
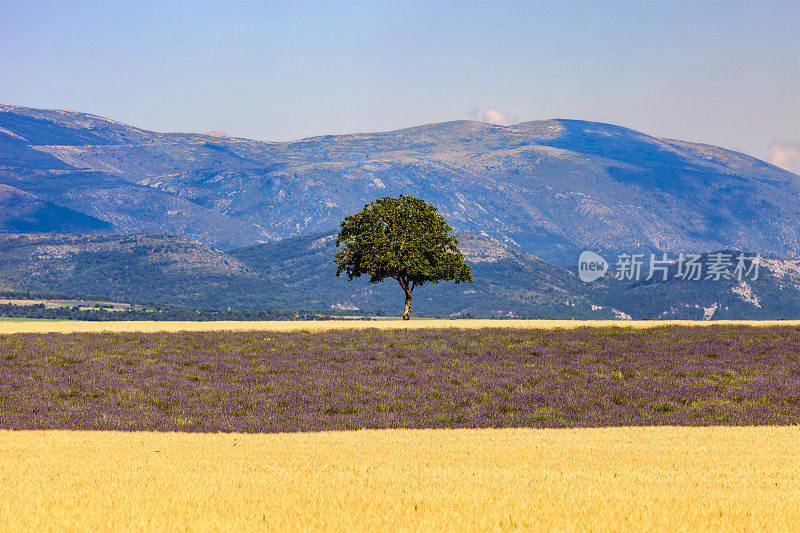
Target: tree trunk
[[407, 310]]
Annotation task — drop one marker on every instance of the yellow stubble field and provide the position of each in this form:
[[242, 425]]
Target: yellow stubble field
[[606, 479], [131, 326]]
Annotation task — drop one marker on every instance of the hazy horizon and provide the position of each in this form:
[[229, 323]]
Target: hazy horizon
[[723, 73]]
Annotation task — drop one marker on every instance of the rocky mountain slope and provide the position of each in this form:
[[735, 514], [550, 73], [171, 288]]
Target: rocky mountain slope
[[296, 273], [511, 282], [299, 273], [23, 212], [773, 294], [507, 282], [131, 268], [550, 188]]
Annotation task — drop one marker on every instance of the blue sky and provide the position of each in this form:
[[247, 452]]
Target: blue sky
[[725, 73]]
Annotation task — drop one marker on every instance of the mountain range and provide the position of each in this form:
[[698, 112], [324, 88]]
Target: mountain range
[[550, 188], [93, 207]]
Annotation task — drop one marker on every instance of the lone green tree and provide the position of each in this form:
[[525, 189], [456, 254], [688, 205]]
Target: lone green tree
[[404, 239]]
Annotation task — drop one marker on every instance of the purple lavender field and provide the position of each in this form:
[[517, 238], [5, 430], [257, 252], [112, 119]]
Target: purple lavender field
[[271, 382]]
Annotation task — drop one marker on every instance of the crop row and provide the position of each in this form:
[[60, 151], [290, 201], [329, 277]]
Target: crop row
[[347, 379]]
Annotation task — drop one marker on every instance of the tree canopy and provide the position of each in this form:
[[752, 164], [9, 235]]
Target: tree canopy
[[404, 239]]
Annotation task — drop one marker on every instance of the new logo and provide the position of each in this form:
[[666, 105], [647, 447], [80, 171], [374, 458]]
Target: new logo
[[591, 266]]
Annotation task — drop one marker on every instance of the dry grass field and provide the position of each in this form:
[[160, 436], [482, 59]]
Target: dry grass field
[[129, 326], [610, 479]]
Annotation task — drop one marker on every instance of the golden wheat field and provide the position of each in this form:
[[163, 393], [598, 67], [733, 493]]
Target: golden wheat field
[[610, 479], [78, 326]]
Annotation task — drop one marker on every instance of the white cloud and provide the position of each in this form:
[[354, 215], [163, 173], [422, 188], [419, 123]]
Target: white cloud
[[785, 154], [491, 116]]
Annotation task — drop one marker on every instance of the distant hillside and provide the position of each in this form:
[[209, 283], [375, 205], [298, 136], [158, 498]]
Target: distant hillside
[[22, 212], [775, 294], [130, 268], [108, 194], [510, 282], [299, 273], [507, 282], [294, 274], [550, 188]]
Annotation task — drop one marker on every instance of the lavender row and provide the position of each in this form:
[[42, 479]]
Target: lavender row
[[271, 382]]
